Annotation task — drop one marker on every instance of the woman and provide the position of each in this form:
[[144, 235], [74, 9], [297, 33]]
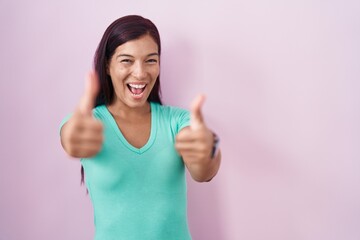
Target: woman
[[133, 149]]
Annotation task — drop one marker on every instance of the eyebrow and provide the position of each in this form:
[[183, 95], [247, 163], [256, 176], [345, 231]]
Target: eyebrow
[[128, 55]]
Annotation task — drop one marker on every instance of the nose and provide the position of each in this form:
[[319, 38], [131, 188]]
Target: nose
[[139, 71]]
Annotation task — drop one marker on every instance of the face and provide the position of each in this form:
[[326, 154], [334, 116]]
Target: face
[[133, 69]]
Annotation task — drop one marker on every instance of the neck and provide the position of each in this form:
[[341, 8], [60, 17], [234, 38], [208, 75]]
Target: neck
[[121, 110]]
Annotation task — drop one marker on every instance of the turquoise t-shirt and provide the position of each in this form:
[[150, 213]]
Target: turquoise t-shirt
[[139, 194]]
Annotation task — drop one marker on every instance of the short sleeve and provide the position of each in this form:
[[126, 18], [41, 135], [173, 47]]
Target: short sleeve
[[182, 118]]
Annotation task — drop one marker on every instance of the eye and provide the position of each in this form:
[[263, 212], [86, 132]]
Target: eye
[[126, 61], [152, 60]]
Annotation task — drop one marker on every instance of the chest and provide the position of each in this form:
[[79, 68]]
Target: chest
[[135, 131], [119, 166]]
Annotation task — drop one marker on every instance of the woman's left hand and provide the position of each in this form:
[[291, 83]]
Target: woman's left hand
[[195, 144]]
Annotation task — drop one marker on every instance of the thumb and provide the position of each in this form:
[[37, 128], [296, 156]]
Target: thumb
[[88, 99], [197, 120]]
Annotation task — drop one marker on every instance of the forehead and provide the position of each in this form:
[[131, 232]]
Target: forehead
[[142, 46]]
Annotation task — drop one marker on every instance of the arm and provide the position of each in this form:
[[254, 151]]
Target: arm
[[195, 144]]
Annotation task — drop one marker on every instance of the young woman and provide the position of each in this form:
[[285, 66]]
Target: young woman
[[133, 149]]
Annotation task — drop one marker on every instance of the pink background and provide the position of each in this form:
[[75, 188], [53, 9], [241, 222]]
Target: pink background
[[282, 86]]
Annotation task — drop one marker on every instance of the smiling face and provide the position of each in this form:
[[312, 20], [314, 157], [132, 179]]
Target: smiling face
[[134, 68]]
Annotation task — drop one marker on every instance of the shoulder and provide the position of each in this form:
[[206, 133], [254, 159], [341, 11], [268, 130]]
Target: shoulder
[[99, 112], [169, 111], [176, 117]]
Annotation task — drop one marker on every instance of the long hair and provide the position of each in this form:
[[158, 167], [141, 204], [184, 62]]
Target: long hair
[[122, 30]]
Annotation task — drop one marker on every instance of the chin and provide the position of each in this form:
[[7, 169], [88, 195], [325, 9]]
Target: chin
[[136, 103]]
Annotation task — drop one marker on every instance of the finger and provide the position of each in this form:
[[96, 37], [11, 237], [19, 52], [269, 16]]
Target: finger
[[87, 143], [87, 138], [193, 147], [81, 149], [189, 158], [197, 119], [88, 99], [90, 138], [186, 139], [85, 151], [88, 125], [184, 146]]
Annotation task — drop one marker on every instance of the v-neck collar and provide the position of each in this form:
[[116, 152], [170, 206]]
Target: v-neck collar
[[118, 132]]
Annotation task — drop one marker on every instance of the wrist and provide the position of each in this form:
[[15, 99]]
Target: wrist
[[215, 148]]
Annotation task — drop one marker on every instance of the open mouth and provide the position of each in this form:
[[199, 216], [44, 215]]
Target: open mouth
[[136, 89]]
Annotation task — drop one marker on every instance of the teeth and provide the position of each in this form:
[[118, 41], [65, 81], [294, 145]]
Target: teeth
[[137, 86]]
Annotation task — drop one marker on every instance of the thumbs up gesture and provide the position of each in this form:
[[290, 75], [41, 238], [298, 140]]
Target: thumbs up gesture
[[82, 135], [195, 144]]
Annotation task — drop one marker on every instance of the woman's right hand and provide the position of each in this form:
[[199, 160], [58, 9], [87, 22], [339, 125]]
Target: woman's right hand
[[82, 135]]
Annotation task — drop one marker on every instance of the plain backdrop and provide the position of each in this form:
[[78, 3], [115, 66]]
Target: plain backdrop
[[282, 86]]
